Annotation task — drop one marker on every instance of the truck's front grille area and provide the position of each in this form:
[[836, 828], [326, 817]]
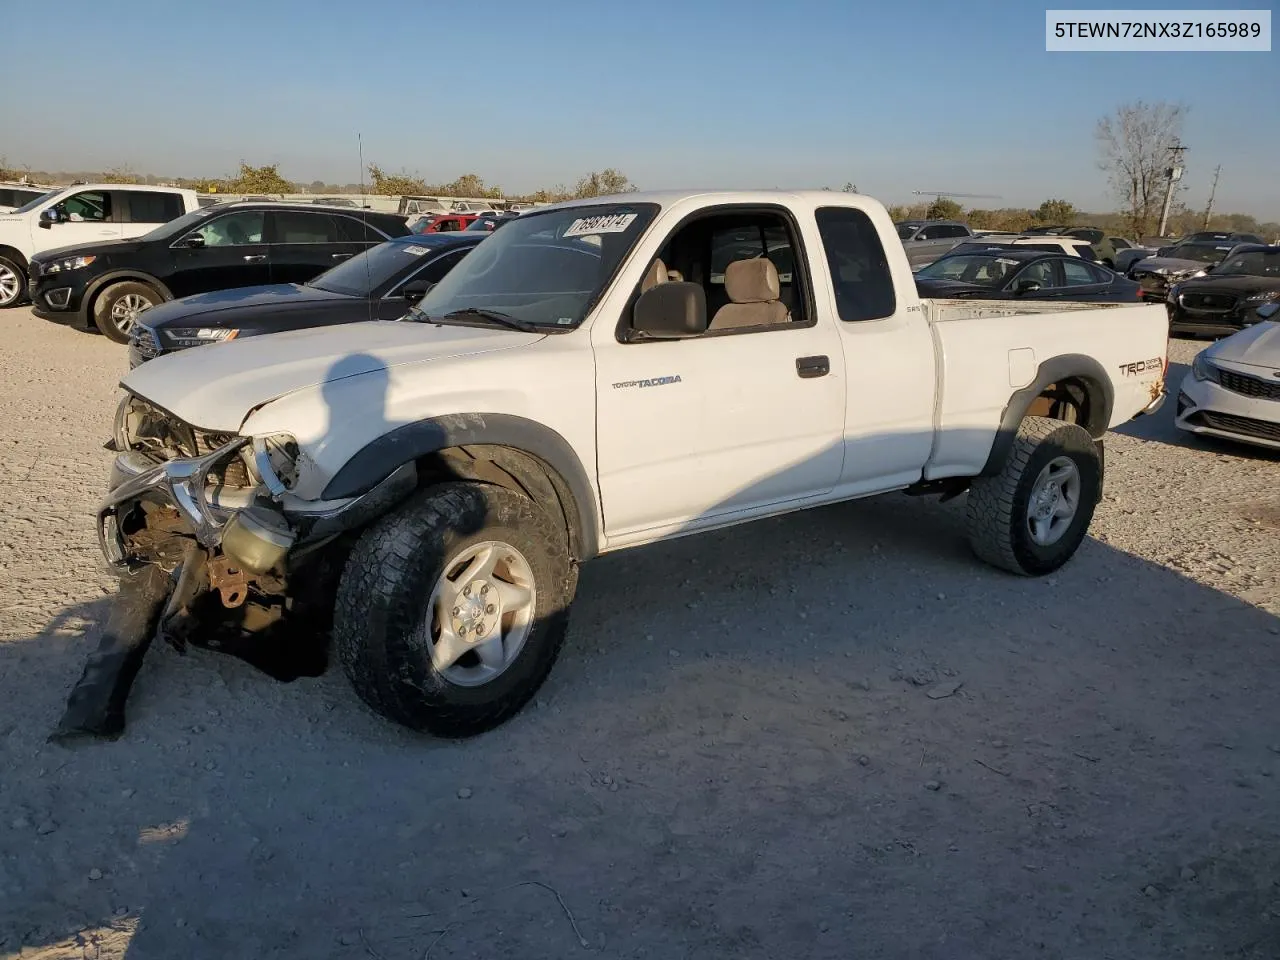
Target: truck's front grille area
[[1244, 426], [162, 437], [1250, 386]]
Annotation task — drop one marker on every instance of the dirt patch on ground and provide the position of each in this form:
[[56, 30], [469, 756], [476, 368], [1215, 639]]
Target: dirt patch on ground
[[828, 735]]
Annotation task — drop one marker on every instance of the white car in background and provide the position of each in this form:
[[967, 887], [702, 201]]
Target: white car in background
[[1071, 246], [1233, 387]]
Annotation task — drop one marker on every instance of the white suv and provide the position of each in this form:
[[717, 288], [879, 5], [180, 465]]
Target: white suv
[[84, 213]]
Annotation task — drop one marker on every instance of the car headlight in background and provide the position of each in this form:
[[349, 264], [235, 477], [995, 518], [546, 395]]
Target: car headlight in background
[[64, 265], [1265, 296], [1204, 369], [195, 336], [275, 460]]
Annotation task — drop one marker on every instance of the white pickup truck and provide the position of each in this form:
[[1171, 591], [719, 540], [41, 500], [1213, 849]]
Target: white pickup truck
[[81, 214], [597, 375]]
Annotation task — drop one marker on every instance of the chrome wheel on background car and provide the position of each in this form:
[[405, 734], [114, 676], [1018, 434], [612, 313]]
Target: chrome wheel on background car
[[117, 308], [11, 283], [124, 312]]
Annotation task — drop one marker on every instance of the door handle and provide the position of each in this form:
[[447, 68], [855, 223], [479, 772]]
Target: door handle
[[255, 258], [810, 367], [341, 256]]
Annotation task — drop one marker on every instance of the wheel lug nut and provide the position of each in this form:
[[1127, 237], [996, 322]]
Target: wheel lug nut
[[490, 608], [484, 590], [456, 611], [466, 591]]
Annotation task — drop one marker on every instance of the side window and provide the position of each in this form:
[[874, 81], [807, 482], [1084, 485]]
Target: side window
[[435, 271], [929, 233], [146, 206], [1077, 273], [1041, 272], [1119, 243], [8, 198], [859, 267], [445, 226], [356, 231], [952, 231], [92, 205], [233, 230], [301, 227]]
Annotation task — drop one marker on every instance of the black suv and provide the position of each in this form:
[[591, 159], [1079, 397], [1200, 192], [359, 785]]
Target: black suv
[[223, 245]]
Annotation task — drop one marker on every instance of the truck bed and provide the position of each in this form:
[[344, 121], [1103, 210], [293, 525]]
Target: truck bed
[[999, 348]]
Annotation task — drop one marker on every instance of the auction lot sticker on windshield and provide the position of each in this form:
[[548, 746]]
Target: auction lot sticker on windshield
[[611, 223], [414, 250]]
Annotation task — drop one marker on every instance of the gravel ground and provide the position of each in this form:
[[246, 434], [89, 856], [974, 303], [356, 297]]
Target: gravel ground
[[751, 747]]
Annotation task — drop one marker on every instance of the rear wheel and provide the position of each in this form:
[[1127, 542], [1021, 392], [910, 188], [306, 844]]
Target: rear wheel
[[13, 282], [1032, 517], [117, 308], [452, 610]]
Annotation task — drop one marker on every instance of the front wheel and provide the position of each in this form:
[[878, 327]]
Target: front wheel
[[451, 611], [13, 282], [116, 308], [1031, 517]]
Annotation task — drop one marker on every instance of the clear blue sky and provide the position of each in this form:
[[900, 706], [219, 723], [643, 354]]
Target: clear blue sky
[[893, 96]]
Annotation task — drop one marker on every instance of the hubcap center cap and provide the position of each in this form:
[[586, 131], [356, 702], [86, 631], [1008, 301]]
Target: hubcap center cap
[[478, 612]]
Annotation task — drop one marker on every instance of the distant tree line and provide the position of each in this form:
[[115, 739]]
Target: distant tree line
[[1133, 150]]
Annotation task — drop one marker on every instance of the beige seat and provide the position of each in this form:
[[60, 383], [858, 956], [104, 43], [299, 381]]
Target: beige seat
[[753, 290], [656, 274]]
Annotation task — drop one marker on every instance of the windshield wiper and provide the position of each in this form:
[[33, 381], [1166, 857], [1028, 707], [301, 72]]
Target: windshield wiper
[[505, 319]]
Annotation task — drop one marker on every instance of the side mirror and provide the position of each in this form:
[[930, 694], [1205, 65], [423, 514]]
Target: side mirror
[[49, 217], [1023, 287], [415, 291], [195, 241], [671, 311], [1163, 251]]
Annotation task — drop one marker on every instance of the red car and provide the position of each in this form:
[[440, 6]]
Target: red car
[[444, 222]]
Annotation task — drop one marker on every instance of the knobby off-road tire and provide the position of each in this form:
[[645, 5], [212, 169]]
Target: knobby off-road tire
[[116, 308], [385, 625], [1003, 518]]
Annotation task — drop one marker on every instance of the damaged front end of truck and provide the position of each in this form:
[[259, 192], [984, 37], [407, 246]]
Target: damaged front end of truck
[[205, 534]]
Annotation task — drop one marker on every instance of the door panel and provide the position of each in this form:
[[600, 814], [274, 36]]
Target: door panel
[[233, 255], [86, 218], [699, 428], [304, 244]]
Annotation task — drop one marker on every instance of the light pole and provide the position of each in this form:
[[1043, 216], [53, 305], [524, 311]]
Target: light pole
[[1172, 175]]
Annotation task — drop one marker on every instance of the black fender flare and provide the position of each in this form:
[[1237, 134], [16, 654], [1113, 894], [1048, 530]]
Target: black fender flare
[[412, 441], [117, 276], [1067, 366]]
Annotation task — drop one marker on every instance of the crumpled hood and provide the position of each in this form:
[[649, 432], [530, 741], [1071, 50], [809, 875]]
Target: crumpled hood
[[1169, 264], [1257, 346], [217, 386]]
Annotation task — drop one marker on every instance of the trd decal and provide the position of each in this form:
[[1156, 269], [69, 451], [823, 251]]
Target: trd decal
[[654, 382], [1142, 366]]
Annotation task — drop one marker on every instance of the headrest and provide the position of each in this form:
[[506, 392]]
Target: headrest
[[751, 281], [656, 274]]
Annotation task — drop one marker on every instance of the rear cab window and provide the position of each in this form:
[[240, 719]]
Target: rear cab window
[[858, 264], [146, 206]]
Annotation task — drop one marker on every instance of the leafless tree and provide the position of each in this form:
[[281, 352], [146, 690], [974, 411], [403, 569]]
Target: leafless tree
[[1133, 148]]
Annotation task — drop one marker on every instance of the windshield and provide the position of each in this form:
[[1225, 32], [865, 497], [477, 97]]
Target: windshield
[[543, 268], [1256, 263], [906, 231], [181, 225], [367, 271], [983, 270], [32, 204], [1202, 253]]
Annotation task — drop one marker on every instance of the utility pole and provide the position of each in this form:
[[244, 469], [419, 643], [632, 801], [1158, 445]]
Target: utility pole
[[1172, 175], [1208, 209]]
